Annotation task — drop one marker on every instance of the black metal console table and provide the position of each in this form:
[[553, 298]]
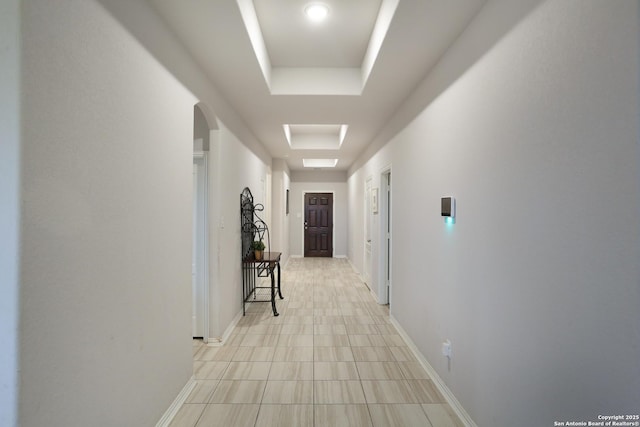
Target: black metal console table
[[253, 228]]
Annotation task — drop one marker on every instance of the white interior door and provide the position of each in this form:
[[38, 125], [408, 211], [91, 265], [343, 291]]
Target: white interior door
[[198, 250], [367, 232], [385, 238]]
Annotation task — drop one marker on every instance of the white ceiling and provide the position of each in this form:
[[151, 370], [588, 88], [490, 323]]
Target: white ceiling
[[277, 69], [341, 41]]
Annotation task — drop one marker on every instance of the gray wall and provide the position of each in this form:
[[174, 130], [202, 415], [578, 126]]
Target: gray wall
[[531, 122], [106, 229], [279, 229], [106, 224], [236, 158], [237, 168], [9, 207], [201, 130]]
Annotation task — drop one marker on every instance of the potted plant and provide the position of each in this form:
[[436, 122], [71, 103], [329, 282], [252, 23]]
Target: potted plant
[[258, 249]]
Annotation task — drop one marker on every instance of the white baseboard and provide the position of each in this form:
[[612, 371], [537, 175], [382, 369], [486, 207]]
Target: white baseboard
[[177, 403], [214, 342], [302, 256], [437, 381], [286, 262], [353, 266], [219, 341], [356, 271]]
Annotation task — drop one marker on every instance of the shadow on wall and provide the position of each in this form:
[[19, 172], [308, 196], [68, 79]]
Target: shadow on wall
[[443, 75], [141, 20]]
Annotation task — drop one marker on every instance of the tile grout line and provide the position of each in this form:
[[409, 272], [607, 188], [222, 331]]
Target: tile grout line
[[360, 381], [313, 354], [336, 292]]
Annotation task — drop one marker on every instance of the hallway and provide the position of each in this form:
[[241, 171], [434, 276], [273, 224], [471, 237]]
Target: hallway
[[331, 358]]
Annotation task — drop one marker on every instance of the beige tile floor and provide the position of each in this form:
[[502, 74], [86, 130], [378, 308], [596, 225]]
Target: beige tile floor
[[331, 358]]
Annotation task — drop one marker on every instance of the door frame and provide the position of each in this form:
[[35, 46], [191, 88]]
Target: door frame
[[386, 251], [333, 216], [201, 155], [367, 270]]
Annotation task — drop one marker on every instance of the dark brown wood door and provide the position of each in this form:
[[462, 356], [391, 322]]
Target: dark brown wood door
[[318, 225]]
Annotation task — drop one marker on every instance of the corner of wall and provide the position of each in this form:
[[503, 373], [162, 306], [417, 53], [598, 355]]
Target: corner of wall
[[10, 42]]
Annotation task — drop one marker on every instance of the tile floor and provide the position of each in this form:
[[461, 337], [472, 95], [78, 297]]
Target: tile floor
[[331, 358]]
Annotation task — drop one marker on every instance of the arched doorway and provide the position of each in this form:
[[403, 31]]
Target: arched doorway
[[203, 273]]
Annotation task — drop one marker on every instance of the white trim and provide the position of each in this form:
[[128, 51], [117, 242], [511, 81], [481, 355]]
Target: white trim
[[207, 308], [367, 275], [219, 341], [287, 262], [437, 381], [227, 333], [170, 413], [385, 215], [361, 277], [205, 161], [214, 342], [373, 295], [356, 271]]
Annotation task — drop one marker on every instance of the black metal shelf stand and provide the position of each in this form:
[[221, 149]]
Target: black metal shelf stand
[[253, 228]]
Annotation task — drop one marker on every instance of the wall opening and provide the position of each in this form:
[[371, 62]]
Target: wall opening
[[203, 273]]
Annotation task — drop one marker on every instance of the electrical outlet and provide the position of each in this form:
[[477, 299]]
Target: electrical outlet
[[446, 349]]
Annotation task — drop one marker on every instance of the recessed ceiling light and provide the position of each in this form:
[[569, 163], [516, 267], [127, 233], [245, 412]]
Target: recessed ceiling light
[[316, 12], [319, 163]]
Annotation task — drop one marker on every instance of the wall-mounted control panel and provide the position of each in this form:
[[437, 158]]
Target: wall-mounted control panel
[[448, 207]]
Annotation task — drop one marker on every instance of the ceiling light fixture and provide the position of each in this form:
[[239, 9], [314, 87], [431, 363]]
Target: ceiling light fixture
[[316, 12], [319, 163]]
